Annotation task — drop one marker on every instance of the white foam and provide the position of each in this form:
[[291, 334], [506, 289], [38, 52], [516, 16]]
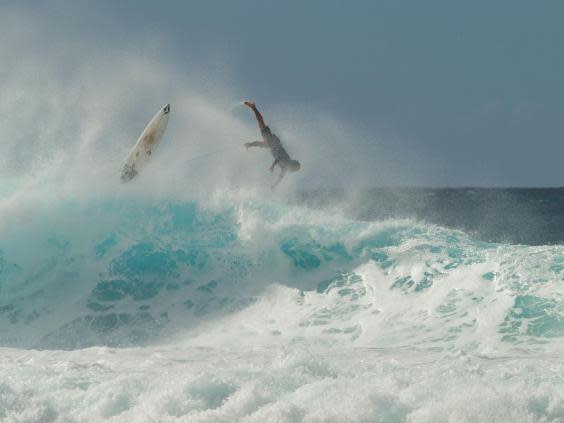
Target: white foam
[[286, 384]]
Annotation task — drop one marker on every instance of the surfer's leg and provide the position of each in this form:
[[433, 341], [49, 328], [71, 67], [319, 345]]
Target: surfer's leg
[[260, 120]]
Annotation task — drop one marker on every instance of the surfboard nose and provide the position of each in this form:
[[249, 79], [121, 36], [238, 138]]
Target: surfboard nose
[[166, 108]]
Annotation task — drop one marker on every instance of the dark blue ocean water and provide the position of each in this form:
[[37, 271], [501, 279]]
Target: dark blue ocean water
[[531, 216]]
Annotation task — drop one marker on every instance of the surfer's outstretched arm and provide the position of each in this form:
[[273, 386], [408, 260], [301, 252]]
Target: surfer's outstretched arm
[[256, 144], [260, 120]]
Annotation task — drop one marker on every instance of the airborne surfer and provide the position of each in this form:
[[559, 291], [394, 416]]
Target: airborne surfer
[[281, 157]]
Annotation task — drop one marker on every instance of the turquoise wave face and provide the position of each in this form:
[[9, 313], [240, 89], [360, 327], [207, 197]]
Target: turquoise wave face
[[127, 272]]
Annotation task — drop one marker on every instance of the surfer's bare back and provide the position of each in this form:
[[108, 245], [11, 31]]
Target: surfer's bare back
[[281, 157]]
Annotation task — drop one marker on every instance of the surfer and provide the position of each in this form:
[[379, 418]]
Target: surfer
[[281, 157]]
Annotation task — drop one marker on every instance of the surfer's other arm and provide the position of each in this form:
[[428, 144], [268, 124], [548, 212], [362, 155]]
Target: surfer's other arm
[[256, 144]]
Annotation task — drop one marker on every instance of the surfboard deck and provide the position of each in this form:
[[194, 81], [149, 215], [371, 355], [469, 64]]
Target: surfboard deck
[[145, 145]]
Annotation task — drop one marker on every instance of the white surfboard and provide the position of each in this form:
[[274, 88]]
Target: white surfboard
[[145, 145]]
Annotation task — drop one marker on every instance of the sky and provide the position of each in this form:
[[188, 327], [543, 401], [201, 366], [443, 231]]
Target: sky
[[434, 93]]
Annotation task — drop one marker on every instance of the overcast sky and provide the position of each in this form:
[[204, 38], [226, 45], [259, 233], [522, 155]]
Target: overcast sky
[[471, 90]]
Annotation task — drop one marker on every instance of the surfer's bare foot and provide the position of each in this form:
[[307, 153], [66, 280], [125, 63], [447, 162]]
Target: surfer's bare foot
[[250, 104], [247, 145]]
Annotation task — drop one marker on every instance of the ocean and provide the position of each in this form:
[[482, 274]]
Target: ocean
[[386, 305]]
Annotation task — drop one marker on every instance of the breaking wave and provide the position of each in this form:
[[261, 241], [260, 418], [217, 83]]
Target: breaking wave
[[133, 272]]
